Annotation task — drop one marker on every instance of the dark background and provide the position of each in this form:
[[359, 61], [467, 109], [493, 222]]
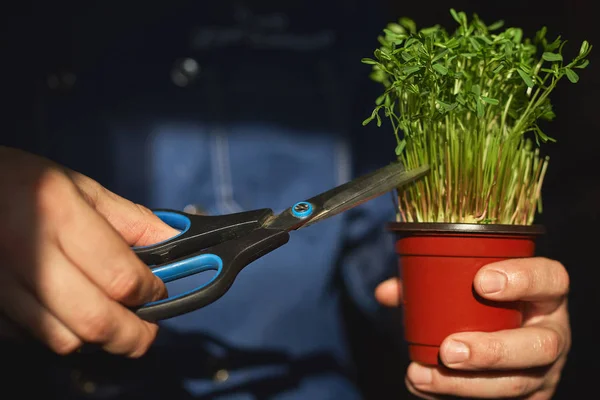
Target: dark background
[[42, 38]]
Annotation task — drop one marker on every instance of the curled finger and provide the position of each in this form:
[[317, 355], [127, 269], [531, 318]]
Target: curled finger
[[536, 279], [95, 247], [439, 380], [528, 347], [25, 310], [85, 309], [389, 292]]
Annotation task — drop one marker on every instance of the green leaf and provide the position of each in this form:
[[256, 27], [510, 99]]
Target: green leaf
[[451, 107], [430, 30], [410, 42], [552, 56], [440, 69], [475, 43], [489, 100], [440, 55], [410, 70], [445, 107], [485, 39], [378, 75], [400, 147], [547, 113], [584, 64], [517, 35], [526, 78], [539, 134], [407, 56], [540, 35], [455, 16], [554, 45], [496, 25], [452, 43], [366, 121], [572, 75], [476, 89], [394, 35], [396, 28], [526, 68], [414, 89], [585, 46], [369, 61], [480, 110], [499, 68], [374, 114], [463, 17], [409, 24]]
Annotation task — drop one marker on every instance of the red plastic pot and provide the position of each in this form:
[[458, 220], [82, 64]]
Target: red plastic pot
[[438, 263]]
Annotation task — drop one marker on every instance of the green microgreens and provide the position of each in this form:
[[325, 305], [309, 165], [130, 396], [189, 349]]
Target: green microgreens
[[468, 104]]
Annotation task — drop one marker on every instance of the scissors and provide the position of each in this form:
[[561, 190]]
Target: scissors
[[228, 243]]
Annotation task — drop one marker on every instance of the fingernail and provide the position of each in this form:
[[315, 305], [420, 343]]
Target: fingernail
[[419, 374], [492, 282], [455, 352]]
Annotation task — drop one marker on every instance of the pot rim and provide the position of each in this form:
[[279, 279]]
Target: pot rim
[[460, 227]]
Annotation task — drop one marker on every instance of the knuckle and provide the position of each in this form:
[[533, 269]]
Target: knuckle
[[448, 385], [143, 209], [142, 346], [544, 275], [494, 354], [140, 226], [97, 326], [520, 386], [561, 278], [529, 279], [64, 344], [550, 345], [53, 190], [124, 285], [91, 192]]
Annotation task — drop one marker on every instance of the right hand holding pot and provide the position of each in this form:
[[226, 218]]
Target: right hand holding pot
[[525, 362]]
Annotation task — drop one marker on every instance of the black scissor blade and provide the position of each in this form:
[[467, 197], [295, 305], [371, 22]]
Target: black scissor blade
[[364, 189], [349, 195]]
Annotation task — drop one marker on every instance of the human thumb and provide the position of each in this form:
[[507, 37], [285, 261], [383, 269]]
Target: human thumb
[[138, 225]]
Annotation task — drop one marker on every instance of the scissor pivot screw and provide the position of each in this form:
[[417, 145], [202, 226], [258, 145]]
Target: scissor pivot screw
[[302, 209]]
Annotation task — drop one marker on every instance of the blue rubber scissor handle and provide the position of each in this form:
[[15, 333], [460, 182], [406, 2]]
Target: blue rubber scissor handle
[[186, 254], [189, 266]]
